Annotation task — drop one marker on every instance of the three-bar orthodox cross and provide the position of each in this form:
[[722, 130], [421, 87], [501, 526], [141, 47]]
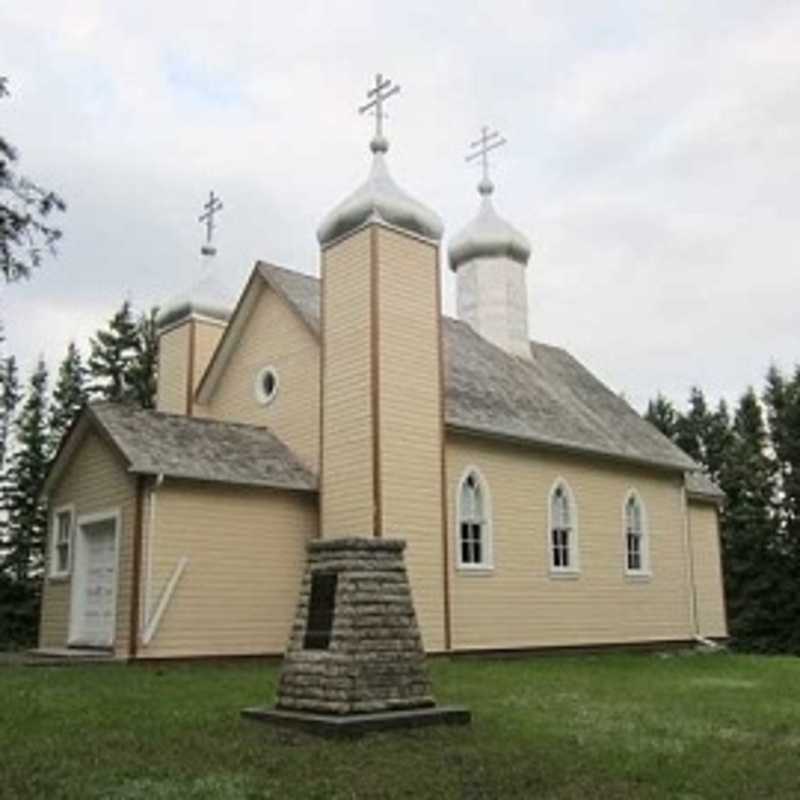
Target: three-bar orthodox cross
[[378, 95], [212, 207], [490, 140]]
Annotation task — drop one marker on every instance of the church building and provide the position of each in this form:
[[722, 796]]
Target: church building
[[539, 510]]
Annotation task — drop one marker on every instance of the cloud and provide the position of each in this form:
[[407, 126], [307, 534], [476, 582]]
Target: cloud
[[653, 159]]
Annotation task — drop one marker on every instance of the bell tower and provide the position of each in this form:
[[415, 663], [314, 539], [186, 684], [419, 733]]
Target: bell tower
[[190, 327], [490, 257], [382, 420]]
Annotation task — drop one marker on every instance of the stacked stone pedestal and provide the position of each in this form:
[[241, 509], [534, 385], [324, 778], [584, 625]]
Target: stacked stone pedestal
[[374, 660], [355, 661]]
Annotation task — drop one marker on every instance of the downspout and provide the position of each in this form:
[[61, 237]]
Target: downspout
[[151, 533], [136, 573], [693, 617]]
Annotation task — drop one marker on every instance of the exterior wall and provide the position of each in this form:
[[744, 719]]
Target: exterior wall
[[410, 413], [518, 603], [173, 364], [199, 337], [346, 489], [273, 336], [96, 480], [246, 555], [493, 299], [707, 569]]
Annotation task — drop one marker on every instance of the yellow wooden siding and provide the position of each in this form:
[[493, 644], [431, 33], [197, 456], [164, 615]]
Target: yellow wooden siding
[[410, 418], [346, 480], [173, 363], [275, 336], [95, 480], [246, 556], [518, 603], [704, 533], [206, 338]]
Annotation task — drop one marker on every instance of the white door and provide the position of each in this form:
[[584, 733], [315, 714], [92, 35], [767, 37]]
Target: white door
[[95, 585]]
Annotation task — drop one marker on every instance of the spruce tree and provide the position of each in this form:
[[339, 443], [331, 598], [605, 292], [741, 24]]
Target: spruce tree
[[662, 414], [23, 547], [690, 428], [69, 395], [782, 400], [9, 397], [143, 370], [753, 566], [113, 351]]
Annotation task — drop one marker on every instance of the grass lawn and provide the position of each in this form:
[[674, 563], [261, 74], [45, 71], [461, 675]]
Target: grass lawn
[[629, 726]]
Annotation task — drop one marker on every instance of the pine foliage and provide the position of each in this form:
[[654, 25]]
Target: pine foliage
[[113, 350], [69, 395]]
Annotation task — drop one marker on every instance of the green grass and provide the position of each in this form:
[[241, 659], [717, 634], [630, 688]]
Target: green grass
[[615, 726]]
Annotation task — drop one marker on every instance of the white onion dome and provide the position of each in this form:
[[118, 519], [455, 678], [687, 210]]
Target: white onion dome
[[380, 199], [488, 235], [208, 298]]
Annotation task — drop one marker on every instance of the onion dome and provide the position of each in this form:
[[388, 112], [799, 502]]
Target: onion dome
[[208, 298], [380, 199], [488, 235]]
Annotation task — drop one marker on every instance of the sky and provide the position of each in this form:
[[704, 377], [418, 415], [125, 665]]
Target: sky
[[653, 159]]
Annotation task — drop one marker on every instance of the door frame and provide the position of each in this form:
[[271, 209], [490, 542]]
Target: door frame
[[79, 575]]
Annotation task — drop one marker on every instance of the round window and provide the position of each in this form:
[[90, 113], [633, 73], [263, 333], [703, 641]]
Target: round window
[[266, 385]]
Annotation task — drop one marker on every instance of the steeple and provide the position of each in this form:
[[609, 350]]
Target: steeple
[[382, 426], [191, 324], [489, 257], [379, 198]]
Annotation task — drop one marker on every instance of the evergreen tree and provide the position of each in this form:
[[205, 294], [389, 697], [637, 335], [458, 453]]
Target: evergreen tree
[[112, 353], [69, 395], [26, 516], [9, 397], [717, 439], [662, 414], [782, 400], [143, 370], [753, 566], [690, 428]]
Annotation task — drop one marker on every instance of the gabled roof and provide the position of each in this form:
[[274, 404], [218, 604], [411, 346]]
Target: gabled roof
[[551, 400], [154, 443]]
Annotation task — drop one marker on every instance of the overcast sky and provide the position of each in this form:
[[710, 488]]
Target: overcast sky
[[653, 159]]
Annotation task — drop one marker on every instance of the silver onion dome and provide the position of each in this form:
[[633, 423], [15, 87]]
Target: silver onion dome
[[380, 198], [488, 235], [207, 298]]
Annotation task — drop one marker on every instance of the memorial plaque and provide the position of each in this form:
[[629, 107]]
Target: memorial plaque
[[321, 606]]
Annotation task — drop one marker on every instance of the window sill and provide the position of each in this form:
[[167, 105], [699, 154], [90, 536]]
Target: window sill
[[638, 577], [468, 569], [565, 574], [59, 577]]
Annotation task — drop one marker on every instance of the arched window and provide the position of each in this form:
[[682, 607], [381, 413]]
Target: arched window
[[563, 530], [474, 523], [636, 549]]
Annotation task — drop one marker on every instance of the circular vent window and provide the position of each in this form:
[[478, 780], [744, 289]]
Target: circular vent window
[[266, 385]]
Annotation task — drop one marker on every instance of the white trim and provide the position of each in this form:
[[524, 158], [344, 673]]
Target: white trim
[[487, 565], [52, 549], [262, 398], [574, 569], [79, 573], [646, 572], [163, 601]]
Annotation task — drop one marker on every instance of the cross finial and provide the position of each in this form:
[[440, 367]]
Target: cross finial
[[490, 140], [212, 207], [381, 92]]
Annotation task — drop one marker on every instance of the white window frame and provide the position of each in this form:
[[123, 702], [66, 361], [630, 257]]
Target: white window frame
[[54, 572], [79, 578], [486, 566], [262, 397], [574, 568], [646, 570]]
